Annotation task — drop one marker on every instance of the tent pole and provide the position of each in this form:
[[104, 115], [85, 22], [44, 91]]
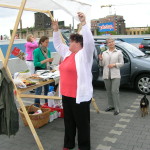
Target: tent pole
[[27, 9], [52, 18]]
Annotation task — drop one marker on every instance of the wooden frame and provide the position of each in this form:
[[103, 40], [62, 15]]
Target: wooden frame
[[19, 92]]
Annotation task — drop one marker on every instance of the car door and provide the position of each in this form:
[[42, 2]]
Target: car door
[[95, 66], [125, 70], [100, 49]]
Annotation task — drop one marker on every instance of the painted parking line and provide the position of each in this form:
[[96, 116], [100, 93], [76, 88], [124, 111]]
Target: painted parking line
[[131, 110], [120, 126], [133, 106], [115, 132], [140, 96], [112, 140], [124, 120], [136, 103], [126, 115], [103, 147]]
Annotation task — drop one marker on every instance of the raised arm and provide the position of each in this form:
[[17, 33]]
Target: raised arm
[[60, 47], [32, 44], [88, 41]]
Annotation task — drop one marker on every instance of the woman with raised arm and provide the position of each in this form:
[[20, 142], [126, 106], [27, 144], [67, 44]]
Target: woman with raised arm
[[76, 83]]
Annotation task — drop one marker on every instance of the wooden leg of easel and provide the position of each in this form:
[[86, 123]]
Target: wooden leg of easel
[[95, 105], [30, 123], [23, 107]]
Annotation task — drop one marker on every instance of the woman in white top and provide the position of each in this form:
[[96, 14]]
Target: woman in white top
[[112, 60], [76, 84]]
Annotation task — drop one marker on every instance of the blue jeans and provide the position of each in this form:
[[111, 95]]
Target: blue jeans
[[38, 91]]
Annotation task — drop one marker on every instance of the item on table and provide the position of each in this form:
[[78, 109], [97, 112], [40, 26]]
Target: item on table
[[18, 53], [53, 70], [28, 82]]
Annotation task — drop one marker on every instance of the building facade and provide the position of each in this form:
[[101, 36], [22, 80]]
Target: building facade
[[136, 30], [42, 27], [117, 21]]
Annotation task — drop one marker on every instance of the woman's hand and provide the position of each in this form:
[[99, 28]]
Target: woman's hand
[[111, 65], [55, 25], [82, 18], [47, 60]]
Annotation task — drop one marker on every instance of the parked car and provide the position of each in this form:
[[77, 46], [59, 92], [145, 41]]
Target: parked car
[[145, 46], [136, 69]]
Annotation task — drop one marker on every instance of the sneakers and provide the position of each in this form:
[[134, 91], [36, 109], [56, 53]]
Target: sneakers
[[109, 109]]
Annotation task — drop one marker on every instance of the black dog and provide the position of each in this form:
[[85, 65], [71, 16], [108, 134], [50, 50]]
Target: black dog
[[144, 106]]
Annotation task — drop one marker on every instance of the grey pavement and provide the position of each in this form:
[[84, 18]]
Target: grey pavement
[[127, 131]]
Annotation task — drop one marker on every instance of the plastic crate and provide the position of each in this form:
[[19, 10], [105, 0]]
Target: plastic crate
[[59, 110]]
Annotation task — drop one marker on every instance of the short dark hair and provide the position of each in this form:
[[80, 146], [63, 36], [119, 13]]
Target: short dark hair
[[42, 39], [77, 38]]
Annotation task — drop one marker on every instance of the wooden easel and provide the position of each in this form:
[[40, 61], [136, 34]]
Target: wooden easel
[[19, 94]]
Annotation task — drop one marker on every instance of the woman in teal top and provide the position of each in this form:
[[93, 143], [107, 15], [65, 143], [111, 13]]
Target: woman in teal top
[[42, 60]]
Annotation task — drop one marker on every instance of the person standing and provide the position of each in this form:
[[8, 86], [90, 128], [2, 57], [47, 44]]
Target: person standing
[[30, 45], [42, 60], [76, 83], [112, 60]]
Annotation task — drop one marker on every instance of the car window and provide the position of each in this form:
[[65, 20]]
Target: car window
[[135, 52], [125, 55], [146, 42]]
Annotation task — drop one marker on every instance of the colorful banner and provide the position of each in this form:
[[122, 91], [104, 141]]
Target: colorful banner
[[104, 27]]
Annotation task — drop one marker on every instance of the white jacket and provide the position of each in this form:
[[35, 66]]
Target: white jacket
[[115, 58], [83, 60]]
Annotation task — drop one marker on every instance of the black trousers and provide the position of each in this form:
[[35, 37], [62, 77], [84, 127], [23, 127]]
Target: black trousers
[[76, 117]]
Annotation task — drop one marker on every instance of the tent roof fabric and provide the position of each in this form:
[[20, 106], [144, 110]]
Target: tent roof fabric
[[69, 6]]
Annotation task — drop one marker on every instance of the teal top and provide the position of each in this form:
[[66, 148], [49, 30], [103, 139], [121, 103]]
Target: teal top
[[38, 57]]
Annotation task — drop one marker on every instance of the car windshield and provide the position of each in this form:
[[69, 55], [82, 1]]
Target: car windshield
[[135, 52], [146, 41]]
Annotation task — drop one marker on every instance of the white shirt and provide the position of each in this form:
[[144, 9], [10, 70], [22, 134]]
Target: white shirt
[[83, 60]]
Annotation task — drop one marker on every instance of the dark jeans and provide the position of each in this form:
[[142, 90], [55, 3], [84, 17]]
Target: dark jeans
[[76, 116], [38, 91]]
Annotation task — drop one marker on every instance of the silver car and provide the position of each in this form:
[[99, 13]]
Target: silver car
[[136, 69]]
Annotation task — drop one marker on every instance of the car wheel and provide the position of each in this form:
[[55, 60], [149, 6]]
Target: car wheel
[[143, 84]]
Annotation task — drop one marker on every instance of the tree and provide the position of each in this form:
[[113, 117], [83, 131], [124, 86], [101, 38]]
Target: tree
[[147, 31]]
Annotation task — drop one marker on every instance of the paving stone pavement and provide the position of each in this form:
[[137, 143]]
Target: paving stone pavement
[[126, 131]]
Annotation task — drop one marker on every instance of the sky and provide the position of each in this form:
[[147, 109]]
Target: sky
[[135, 12]]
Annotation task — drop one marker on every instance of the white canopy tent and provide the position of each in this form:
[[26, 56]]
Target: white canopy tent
[[44, 6], [69, 6]]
